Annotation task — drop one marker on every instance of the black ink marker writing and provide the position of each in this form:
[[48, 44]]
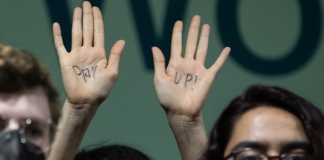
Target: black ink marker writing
[[86, 73], [76, 74], [94, 71], [188, 79], [175, 78]]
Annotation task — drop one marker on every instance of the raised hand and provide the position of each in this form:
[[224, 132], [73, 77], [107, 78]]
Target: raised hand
[[182, 87], [87, 75]]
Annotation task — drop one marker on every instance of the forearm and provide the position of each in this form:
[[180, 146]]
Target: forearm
[[190, 135], [73, 124]]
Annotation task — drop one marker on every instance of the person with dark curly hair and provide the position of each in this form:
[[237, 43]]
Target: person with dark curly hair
[[111, 152], [268, 122], [264, 123]]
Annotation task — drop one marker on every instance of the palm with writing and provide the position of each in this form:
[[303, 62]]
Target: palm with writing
[[87, 75], [182, 87]]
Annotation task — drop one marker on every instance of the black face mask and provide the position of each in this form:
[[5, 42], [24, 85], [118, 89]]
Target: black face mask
[[11, 148]]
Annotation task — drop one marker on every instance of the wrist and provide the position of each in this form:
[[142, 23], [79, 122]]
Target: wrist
[[190, 134], [79, 110], [176, 119]]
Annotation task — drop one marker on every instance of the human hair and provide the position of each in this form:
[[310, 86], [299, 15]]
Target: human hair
[[256, 96], [111, 152], [20, 69]]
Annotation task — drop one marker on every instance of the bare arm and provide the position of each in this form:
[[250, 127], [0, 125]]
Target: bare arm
[[183, 86], [88, 78]]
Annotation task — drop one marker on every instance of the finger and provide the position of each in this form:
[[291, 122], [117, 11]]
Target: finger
[[58, 41], [159, 62], [77, 28], [99, 35], [176, 42], [115, 54], [215, 68], [203, 44], [87, 24], [192, 37]]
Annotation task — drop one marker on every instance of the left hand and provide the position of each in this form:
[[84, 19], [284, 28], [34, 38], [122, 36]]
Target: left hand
[[87, 75]]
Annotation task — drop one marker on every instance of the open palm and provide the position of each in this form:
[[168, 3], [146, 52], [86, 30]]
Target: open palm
[[87, 75], [182, 87]]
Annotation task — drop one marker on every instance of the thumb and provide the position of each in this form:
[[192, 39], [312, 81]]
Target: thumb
[[159, 62]]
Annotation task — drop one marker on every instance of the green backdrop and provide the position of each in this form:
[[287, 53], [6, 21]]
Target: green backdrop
[[132, 115]]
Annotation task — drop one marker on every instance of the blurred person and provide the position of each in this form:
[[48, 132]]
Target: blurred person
[[264, 123], [29, 106]]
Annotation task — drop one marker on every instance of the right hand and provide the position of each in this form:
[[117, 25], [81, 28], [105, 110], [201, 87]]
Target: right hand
[[182, 88]]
